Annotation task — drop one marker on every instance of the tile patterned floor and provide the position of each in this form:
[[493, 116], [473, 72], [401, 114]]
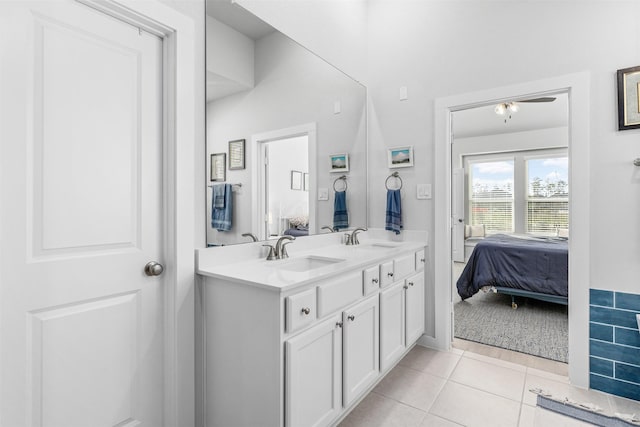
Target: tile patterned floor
[[474, 385]]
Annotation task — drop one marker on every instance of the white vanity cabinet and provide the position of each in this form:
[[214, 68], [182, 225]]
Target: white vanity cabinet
[[314, 375], [304, 354]]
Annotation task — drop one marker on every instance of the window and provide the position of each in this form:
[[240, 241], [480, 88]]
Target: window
[[491, 195], [547, 195], [518, 192]]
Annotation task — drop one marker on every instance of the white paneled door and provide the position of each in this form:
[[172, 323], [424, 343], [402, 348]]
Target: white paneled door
[[81, 207]]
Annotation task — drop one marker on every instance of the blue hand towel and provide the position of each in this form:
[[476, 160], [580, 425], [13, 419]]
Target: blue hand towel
[[393, 220], [340, 215], [222, 207]]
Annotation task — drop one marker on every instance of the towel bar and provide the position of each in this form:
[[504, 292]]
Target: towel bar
[[344, 179], [393, 175]]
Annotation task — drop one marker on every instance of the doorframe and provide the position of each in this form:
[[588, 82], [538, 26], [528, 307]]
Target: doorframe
[[179, 101], [258, 168], [577, 86]]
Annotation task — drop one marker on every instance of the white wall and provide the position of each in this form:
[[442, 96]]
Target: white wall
[[230, 54], [439, 48], [334, 30], [289, 91]]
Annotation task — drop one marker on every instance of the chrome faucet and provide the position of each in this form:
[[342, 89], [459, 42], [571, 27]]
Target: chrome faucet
[[279, 251], [326, 227], [352, 239], [253, 236]]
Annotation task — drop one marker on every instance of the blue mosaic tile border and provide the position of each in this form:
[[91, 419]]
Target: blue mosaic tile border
[[614, 343]]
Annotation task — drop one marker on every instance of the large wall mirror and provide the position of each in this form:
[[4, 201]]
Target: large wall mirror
[[281, 122]]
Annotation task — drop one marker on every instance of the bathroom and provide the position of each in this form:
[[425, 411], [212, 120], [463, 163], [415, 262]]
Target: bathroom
[[435, 55]]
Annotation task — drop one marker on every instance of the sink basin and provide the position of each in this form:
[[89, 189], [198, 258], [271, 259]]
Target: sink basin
[[308, 263], [378, 246]]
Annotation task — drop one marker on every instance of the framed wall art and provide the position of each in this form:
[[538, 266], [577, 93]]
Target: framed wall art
[[629, 98], [218, 166], [236, 154], [339, 162], [400, 157]]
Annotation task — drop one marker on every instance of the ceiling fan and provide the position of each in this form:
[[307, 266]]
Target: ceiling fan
[[511, 107]]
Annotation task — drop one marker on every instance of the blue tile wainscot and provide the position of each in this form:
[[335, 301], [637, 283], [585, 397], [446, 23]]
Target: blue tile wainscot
[[614, 343]]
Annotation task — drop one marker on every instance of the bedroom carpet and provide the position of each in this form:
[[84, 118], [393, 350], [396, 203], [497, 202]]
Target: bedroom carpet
[[535, 327]]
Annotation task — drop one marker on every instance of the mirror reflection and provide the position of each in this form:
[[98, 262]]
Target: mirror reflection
[[296, 114]]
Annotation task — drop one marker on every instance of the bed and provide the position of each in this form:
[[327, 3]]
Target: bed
[[526, 266]]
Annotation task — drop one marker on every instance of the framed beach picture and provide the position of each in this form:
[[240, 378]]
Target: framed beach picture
[[629, 98], [218, 166], [236, 154], [400, 157], [296, 180], [339, 162]]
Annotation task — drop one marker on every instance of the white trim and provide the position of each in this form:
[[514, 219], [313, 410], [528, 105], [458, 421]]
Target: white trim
[[257, 165], [577, 85], [177, 32]]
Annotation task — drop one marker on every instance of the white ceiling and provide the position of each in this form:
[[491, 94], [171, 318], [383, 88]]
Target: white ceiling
[[238, 18], [482, 121]]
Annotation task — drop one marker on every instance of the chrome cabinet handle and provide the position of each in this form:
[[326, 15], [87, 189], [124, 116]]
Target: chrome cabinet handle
[[374, 280], [351, 317], [339, 324], [410, 283], [390, 274], [406, 287], [421, 259], [306, 310], [153, 268]]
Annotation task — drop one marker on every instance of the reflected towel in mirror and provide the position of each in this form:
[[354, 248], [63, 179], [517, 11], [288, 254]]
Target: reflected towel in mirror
[[222, 207]]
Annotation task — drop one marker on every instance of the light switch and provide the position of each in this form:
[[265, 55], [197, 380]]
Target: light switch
[[404, 95], [423, 191], [323, 194], [337, 107]]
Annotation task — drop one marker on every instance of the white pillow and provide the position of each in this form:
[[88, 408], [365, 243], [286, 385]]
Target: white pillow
[[562, 232], [477, 231]]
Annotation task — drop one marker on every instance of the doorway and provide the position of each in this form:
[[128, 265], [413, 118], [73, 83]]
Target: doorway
[[577, 87], [510, 189]]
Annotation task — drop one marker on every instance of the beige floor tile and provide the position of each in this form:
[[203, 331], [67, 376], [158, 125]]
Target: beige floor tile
[[433, 421], [558, 368], [471, 407], [434, 362], [539, 417], [624, 406], [411, 387], [563, 390], [490, 377], [548, 375], [379, 411]]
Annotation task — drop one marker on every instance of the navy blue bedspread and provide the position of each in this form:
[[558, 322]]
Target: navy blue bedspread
[[532, 264]]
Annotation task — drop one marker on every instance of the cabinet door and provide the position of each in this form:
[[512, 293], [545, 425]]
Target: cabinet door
[[370, 280], [392, 319], [414, 303], [386, 274], [361, 348], [314, 375]]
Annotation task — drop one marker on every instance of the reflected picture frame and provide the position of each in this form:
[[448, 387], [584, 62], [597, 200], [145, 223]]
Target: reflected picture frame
[[236, 154], [305, 183], [339, 162], [296, 180], [218, 166], [628, 98], [400, 157]]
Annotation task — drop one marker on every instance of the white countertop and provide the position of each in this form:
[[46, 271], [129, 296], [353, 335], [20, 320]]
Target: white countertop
[[275, 275]]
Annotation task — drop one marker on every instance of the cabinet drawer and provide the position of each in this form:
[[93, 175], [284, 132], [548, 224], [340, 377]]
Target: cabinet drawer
[[370, 280], [300, 310], [420, 260], [338, 292], [386, 274], [403, 266]]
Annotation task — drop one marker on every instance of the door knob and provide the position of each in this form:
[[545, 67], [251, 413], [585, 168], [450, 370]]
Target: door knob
[[153, 268]]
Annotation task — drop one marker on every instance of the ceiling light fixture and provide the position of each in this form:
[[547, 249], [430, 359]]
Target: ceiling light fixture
[[506, 108]]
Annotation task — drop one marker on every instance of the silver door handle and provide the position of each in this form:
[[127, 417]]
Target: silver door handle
[[153, 268]]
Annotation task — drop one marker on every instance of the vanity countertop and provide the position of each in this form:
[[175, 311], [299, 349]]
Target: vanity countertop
[[326, 261]]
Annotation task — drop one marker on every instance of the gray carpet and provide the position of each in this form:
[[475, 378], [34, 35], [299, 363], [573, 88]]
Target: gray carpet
[[535, 327]]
